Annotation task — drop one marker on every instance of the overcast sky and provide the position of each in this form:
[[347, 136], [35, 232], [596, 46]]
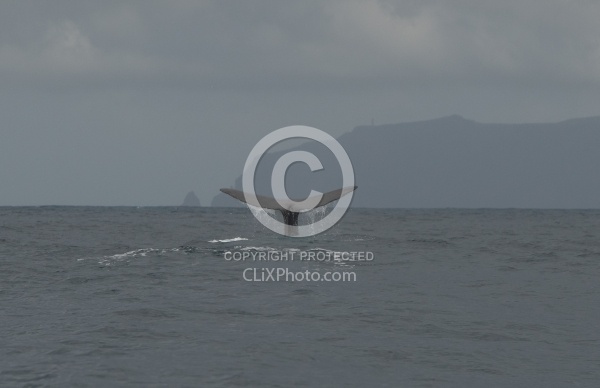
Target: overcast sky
[[136, 103]]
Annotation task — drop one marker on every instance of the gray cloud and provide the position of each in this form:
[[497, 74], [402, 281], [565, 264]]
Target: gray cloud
[[169, 87], [254, 44]]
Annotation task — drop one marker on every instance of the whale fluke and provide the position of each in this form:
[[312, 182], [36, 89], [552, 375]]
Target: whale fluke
[[289, 210]]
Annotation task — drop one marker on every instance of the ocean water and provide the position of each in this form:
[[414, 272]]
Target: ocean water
[[93, 296]]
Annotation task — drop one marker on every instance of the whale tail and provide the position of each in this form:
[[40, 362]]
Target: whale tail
[[288, 210], [289, 217]]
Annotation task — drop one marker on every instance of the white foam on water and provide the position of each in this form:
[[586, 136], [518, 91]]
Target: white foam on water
[[228, 240], [257, 249], [120, 257]]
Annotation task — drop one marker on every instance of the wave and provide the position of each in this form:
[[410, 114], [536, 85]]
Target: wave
[[228, 240]]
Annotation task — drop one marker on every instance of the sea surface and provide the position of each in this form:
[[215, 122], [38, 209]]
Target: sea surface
[[147, 297]]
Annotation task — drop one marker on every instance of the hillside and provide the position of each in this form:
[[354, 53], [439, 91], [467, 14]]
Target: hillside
[[455, 162]]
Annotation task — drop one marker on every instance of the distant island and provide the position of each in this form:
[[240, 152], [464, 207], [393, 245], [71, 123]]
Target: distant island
[[190, 200], [453, 162]]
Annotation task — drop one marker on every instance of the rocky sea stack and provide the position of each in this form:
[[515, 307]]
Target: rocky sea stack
[[191, 200]]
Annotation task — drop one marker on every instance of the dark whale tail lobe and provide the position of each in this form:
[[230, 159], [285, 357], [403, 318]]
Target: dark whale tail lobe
[[289, 212]]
